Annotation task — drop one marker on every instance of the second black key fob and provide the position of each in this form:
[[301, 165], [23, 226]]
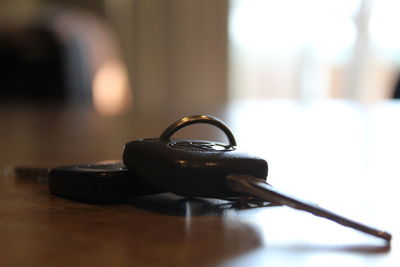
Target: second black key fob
[[109, 180]]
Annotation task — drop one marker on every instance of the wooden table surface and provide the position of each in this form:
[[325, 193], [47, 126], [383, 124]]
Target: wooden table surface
[[339, 154]]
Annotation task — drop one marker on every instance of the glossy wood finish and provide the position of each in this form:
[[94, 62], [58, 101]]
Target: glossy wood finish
[[338, 154]]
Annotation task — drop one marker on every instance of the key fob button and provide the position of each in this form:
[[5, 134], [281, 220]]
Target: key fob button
[[203, 146]]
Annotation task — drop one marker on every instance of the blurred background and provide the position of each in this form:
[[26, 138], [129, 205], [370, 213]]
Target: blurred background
[[314, 49], [119, 55], [81, 78]]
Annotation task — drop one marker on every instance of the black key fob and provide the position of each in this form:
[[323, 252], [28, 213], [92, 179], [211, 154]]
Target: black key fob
[[191, 167], [109, 180]]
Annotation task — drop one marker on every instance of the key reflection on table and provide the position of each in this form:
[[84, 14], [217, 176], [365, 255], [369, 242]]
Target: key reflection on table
[[338, 154]]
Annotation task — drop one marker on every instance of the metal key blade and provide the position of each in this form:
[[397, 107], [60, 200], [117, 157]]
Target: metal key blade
[[36, 174], [259, 188]]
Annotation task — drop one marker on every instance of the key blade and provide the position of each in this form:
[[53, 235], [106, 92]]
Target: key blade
[[36, 174], [260, 189]]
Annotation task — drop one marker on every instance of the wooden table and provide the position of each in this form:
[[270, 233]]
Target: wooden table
[[339, 154]]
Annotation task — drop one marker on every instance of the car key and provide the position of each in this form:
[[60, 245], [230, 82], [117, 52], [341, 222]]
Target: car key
[[106, 180], [208, 169], [189, 167]]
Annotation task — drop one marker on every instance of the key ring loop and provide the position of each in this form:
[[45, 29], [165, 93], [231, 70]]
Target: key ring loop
[[174, 127]]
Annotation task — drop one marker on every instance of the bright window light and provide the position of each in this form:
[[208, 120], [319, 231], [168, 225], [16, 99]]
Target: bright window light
[[384, 24], [269, 26]]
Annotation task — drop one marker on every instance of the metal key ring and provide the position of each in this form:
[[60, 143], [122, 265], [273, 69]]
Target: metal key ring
[[174, 127]]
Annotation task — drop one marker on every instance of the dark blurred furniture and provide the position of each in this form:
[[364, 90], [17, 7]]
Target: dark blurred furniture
[[31, 65], [396, 93]]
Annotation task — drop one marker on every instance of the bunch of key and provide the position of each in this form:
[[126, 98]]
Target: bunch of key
[[190, 168]]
